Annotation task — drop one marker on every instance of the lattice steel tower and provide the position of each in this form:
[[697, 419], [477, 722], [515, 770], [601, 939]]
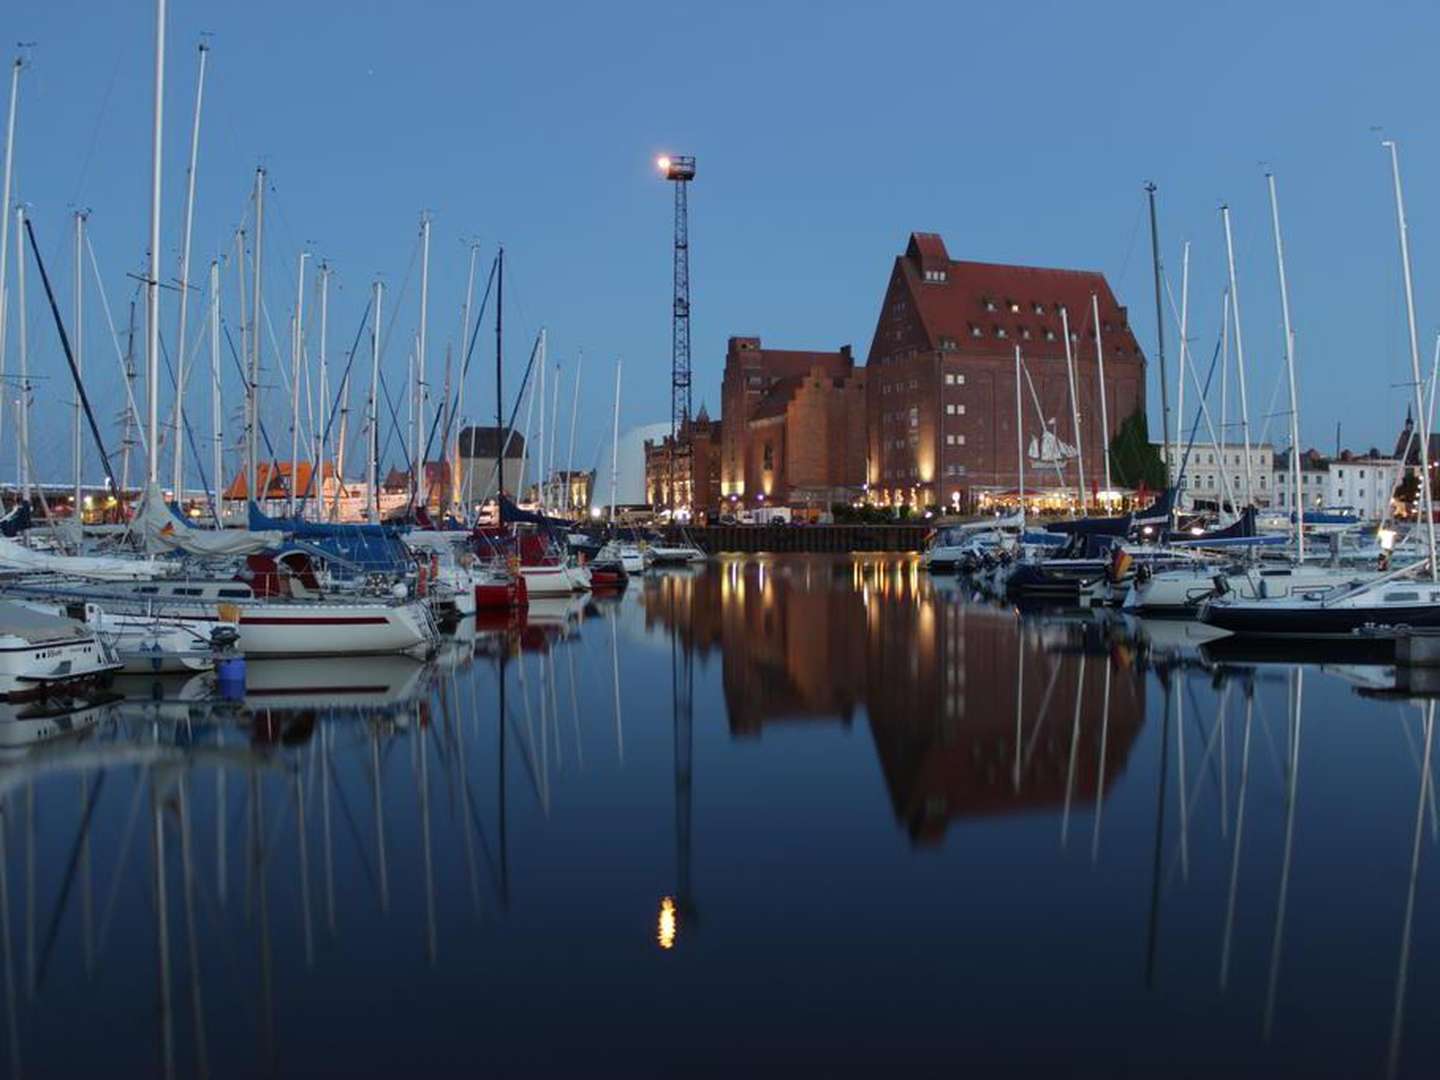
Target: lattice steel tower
[[680, 171]]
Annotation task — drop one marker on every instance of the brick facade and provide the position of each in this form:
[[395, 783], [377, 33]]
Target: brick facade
[[942, 383], [794, 426], [697, 468]]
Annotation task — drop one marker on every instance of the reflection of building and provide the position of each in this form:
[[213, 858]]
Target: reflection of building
[[696, 467], [942, 373], [816, 639], [795, 426]]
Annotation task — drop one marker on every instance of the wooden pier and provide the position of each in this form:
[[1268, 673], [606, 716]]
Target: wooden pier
[[785, 538]]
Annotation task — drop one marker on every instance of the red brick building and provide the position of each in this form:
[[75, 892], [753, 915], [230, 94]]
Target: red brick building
[[942, 378], [697, 468], [794, 426]]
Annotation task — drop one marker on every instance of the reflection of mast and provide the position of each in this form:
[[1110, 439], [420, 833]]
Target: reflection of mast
[[1397, 1022], [1074, 746], [682, 692], [12, 1027], [1154, 930], [303, 845], [1100, 781], [162, 932], [423, 782], [1239, 835], [378, 799], [325, 782], [257, 853], [1297, 687], [615, 675], [187, 866], [500, 766]]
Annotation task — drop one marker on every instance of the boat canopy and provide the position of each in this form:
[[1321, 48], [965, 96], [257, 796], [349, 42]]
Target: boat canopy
[[163, 528], [369, 548], [15, 556]]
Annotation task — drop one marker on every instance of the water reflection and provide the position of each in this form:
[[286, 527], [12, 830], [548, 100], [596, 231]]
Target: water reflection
[[925, 816]]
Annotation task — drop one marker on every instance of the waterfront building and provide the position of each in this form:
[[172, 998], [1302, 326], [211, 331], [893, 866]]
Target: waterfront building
[[1364, 483], [695, 472], [942, 384], [1209, 469], [794, 426]]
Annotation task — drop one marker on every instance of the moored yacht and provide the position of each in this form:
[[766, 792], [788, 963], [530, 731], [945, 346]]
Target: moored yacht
[[42, 654]]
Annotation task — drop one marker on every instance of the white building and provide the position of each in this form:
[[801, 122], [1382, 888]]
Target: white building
[[1364, 485], [1208, 469]]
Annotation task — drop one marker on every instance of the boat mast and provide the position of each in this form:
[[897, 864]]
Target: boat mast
[[457, 473], [252, 391], [152, 283], [1019, 436], [1104, 409], [540, 439], [217, 416], [79, 350], [1426, 480], [180, 342], [1239, 358], [417, 448], [5, 212], [1160, 325], [574, 412], [1074, 408], [22, 420], [501, 435], [1180, 364], [297, 346], [316, 488], [615, 446], [372, 464], [1296, 498]]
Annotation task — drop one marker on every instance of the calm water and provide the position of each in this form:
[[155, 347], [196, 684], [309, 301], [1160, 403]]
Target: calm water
[[807, 813]]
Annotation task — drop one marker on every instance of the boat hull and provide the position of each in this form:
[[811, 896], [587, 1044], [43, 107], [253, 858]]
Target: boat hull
[[1283, 621]]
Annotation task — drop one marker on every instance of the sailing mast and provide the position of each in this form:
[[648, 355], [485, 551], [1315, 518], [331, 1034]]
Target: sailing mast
[[615, 446], [180, 343], [457, 473], [1426, 480], [152, 283], [1180, 364], [22, 420], [217, 416], [79, 350], [417, 449], [1297, 499], [1019, 438], [297, 347], [5, 212], [574, 412], [501, 435], [1104, 409], [1074, 409], [316, 488], [252, 391], [1160, 327], [372, 439], [1239, 358]]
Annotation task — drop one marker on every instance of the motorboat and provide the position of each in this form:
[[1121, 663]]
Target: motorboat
[[664, 554], [608, 574], [631, 556], [43, 654], [147, 644]]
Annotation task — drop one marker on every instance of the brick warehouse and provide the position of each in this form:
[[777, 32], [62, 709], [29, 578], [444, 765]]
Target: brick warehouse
[[794, 426], [941, 395]]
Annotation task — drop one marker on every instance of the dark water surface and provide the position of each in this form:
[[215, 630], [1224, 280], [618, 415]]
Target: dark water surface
[[800, 814]]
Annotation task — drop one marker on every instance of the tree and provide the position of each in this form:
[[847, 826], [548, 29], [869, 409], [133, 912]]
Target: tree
[[1134, 460], [1407, 491]]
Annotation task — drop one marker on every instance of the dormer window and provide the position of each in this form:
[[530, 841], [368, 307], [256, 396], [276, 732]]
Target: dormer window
[[1014, 307], [989, 304], [1049, 335], [975, 331], [1000, 332], [1039, 309], [948, 344], [934, 276], [1025, 332]]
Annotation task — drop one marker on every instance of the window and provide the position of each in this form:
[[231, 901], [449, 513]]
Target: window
[[1039, 309], [934, 275], [1362, 474], [1049, 335], [959, 440], [975, 331], [1025, 332], [949, 410], [949, 378], [1000, 332], [989, 304], [960, 410], [959, 380], [914, 416], [949, 440], [948, 344], [769, 458], [1013, 306]]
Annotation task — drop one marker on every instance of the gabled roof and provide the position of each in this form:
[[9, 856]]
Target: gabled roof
[[971, 303], [275, 480]]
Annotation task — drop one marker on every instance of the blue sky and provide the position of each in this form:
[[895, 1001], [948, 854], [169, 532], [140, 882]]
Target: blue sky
[[825, 133]]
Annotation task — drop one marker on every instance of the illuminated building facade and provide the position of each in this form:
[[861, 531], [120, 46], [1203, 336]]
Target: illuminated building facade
[[942, 381]]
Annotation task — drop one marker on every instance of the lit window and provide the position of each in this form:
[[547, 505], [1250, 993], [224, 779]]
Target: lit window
[[949, 410], [1025, 332], [959, 380], [1014, 306], [960, 409], [989, 304], [1039, 309], [975, 331], [949, 440], [1000, 332], [959, 440]]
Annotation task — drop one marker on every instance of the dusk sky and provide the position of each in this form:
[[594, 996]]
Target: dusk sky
[[824, 133]]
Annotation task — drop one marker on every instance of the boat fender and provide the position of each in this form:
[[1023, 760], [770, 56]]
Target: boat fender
[[399, 591]]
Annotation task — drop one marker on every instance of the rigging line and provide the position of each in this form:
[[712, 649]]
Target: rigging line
[[189, 431], [245, 378], [514, 413], [115, 337], [335, 408], [70, 359]]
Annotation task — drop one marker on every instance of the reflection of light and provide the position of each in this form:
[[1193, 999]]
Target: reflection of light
[[668, 925]]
